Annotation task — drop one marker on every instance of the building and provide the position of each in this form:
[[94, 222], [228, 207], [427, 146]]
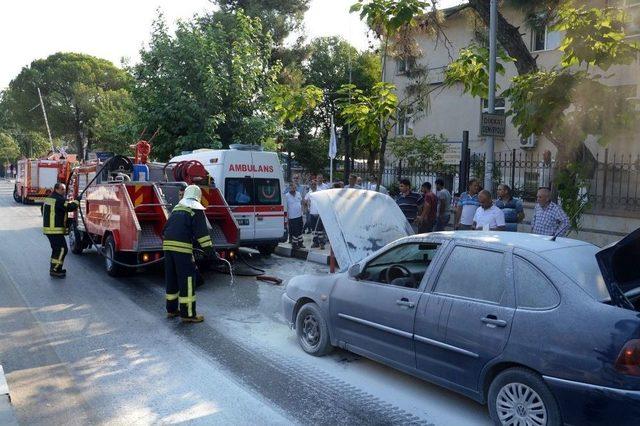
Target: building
[[451, 112]]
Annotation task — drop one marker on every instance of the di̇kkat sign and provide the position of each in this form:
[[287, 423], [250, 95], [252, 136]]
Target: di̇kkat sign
[[493, 125]]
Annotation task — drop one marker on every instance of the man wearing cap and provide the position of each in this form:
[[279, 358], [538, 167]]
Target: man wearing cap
[[186, 225]]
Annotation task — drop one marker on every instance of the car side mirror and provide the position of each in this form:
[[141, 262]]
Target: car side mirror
[[354, 271]]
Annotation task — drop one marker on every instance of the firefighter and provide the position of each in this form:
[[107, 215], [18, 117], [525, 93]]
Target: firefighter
[[54, 225], [186, 225]]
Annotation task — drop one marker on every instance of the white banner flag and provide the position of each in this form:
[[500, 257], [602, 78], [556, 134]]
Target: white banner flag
[[333, 143]]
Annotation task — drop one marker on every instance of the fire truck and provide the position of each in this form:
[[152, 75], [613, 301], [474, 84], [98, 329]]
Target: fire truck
[[35, 178], [123, 212]]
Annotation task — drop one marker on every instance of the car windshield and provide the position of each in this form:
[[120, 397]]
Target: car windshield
[[423, 252], [579, 263]]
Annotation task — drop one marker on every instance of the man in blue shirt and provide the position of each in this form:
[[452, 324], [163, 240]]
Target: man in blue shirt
[[409, 202], [511, 207], [467, 206]]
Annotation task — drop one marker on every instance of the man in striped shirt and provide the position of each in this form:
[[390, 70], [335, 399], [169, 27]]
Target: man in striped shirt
[[409, 202]]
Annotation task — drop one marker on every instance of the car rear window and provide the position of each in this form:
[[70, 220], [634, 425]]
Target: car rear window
[[579, 264]]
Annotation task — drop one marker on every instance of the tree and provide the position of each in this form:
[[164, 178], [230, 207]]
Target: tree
[[71, 85], [207, 84], [114, 125], [278, 17], [372, 114], [9, 151]]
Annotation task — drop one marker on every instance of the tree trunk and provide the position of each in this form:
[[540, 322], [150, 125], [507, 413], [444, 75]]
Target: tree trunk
[[79, 134], [383, 149], [509, 37]]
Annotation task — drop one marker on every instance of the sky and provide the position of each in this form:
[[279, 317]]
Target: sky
[[32, 29]]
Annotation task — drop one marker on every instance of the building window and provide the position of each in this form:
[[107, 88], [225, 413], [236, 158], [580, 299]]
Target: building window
[[404, 66], [499, 106], [405, 123], [544, 39]]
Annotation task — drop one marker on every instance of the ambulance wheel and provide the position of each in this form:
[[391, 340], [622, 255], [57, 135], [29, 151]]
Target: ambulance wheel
[[267, 250], [16, 196], [110, 254], [76, 240]]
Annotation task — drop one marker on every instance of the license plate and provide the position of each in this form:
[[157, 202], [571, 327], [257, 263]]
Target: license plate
[[243, 222]]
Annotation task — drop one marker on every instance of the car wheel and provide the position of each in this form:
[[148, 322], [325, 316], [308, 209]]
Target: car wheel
[[110, 254], [76, 239], [16, 195], [312, 330], [520, 396], [267, 250]]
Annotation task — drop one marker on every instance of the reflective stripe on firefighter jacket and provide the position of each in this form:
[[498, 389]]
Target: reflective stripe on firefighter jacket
[[185, 226], [54, 214]]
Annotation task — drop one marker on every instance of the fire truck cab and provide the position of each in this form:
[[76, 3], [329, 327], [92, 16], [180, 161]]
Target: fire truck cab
[[252, 184]]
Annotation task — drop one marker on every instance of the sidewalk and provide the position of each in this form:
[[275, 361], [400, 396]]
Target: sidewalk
[[312, 255], [7, 415]]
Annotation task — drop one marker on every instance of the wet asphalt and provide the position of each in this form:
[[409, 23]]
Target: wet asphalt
[[92, 349]]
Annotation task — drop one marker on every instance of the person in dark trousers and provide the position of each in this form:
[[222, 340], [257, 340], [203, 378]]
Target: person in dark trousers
[[55, 209], [186, 225], [294, 216], [427, 217]]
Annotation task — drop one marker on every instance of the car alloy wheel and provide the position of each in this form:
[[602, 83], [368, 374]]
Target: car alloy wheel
[[518, 404], [311, 330]]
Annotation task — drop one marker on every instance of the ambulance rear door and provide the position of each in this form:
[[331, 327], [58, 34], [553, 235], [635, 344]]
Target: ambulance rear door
[[267, 186], [238, 190]]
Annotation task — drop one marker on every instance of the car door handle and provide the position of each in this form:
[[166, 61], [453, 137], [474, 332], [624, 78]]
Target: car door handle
[[405, 302], [492, 320]]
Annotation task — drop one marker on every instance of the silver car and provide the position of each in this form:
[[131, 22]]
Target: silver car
[[546, 331]]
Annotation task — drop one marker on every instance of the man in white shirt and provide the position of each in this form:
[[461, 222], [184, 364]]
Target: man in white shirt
[[488, 217], [353, 182], [294, 214], [315, 223], [322, 185], [373, 186]]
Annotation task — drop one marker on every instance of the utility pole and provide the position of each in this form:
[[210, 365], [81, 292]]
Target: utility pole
[[46, 122], [490, 154]]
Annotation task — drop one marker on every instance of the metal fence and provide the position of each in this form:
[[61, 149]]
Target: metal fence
[[613, 184]]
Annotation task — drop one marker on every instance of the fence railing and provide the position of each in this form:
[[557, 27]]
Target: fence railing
[[613, 182]]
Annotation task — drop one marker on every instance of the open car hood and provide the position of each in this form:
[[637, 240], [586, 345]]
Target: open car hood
[[618, 264], [359, 222]]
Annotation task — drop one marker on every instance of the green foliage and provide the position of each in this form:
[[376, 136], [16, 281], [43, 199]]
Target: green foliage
[[429, 149], [472, 70], [32, 144], [570, 182], [595, 37], [371, 114], [204, 84], [278, 17], [290, 103], [71, 85], [114, 125], [387, 17], [9, 150], [309, 152]]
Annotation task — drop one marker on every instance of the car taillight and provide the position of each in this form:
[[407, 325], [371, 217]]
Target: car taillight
[[628, 361]]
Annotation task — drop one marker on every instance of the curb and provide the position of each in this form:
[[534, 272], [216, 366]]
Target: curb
[[7, 415], [303, 254]]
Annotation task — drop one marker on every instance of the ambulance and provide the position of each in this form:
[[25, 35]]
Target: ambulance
[[252, 183]]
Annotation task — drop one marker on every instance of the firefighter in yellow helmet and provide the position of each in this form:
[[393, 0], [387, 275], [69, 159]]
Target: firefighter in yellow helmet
[[55, 209], [186, 226]]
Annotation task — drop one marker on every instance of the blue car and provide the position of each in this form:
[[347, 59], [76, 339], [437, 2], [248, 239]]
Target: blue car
[[545, 331]]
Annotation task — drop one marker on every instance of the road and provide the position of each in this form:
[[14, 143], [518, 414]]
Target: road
[[92, 349]]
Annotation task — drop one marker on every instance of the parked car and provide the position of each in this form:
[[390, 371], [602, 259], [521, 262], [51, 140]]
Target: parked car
[[545, 331]]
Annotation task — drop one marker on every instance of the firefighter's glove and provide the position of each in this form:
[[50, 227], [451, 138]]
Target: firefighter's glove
[[79, 198]]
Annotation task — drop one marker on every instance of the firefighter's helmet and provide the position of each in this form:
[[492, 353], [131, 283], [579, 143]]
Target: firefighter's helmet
[[191, 197]]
